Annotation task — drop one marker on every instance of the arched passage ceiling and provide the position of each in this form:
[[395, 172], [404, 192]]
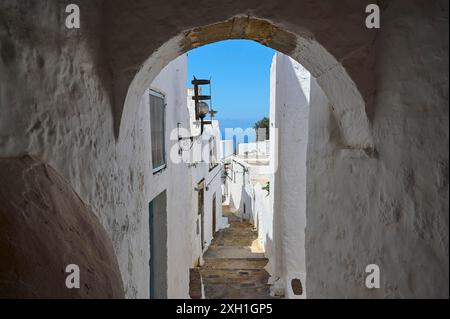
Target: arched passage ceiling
[[328, 37]]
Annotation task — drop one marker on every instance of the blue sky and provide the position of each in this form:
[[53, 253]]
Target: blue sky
[[240, 77]]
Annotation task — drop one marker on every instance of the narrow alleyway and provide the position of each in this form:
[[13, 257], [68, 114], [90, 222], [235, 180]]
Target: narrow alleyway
[[234, 263]]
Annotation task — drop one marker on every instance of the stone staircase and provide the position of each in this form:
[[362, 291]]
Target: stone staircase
[[234, 263]]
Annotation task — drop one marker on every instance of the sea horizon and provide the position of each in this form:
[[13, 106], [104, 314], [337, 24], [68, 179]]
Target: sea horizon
[[236, 124]]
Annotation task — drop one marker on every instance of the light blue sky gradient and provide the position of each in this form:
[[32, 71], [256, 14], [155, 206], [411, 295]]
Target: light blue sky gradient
[[240, 77]]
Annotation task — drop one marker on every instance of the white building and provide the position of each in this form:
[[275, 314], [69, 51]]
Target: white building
[[185, 195], [226, 150], [244, 178], [167, 246], [292, 92], [259, 191], [206, 173], [258, 148]]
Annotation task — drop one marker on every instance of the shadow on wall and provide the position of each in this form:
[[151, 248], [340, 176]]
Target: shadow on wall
[[268, 252], [231, 203], [44, 227], [246, 205]]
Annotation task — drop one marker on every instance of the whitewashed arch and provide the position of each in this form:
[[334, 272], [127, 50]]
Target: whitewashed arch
[[348, 103]]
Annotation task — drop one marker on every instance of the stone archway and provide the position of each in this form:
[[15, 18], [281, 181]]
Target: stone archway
[[391, 210], [348, 103]]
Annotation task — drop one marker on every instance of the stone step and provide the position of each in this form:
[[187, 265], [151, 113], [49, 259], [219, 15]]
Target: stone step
[[195, 283], [236, 263], [237, 292], [246, 278], [220, 245], [232, 252]]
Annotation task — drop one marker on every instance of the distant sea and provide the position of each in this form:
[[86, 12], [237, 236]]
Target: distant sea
[[234, 124]]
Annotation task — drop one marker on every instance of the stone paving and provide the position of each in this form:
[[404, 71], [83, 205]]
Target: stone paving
[[234, 263]]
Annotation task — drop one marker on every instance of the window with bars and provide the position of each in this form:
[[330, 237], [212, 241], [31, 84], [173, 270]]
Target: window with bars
[[157, 126]]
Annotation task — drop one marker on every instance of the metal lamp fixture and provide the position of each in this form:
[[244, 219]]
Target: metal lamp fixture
[[202, 108], [213, 113]]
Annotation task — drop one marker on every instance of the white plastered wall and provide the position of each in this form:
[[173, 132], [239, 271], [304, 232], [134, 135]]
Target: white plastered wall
[[200, 171], [171, 82], [55, 103], [290, 103]]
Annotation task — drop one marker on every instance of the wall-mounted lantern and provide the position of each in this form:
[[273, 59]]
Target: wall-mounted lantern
[[202, 108]]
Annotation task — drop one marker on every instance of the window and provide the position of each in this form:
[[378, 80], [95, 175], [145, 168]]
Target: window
[[157, 125]]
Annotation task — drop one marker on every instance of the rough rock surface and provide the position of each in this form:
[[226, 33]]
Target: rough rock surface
[[44, 226]]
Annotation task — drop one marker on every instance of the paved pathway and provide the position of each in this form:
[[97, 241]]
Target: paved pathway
[[234, 263]]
